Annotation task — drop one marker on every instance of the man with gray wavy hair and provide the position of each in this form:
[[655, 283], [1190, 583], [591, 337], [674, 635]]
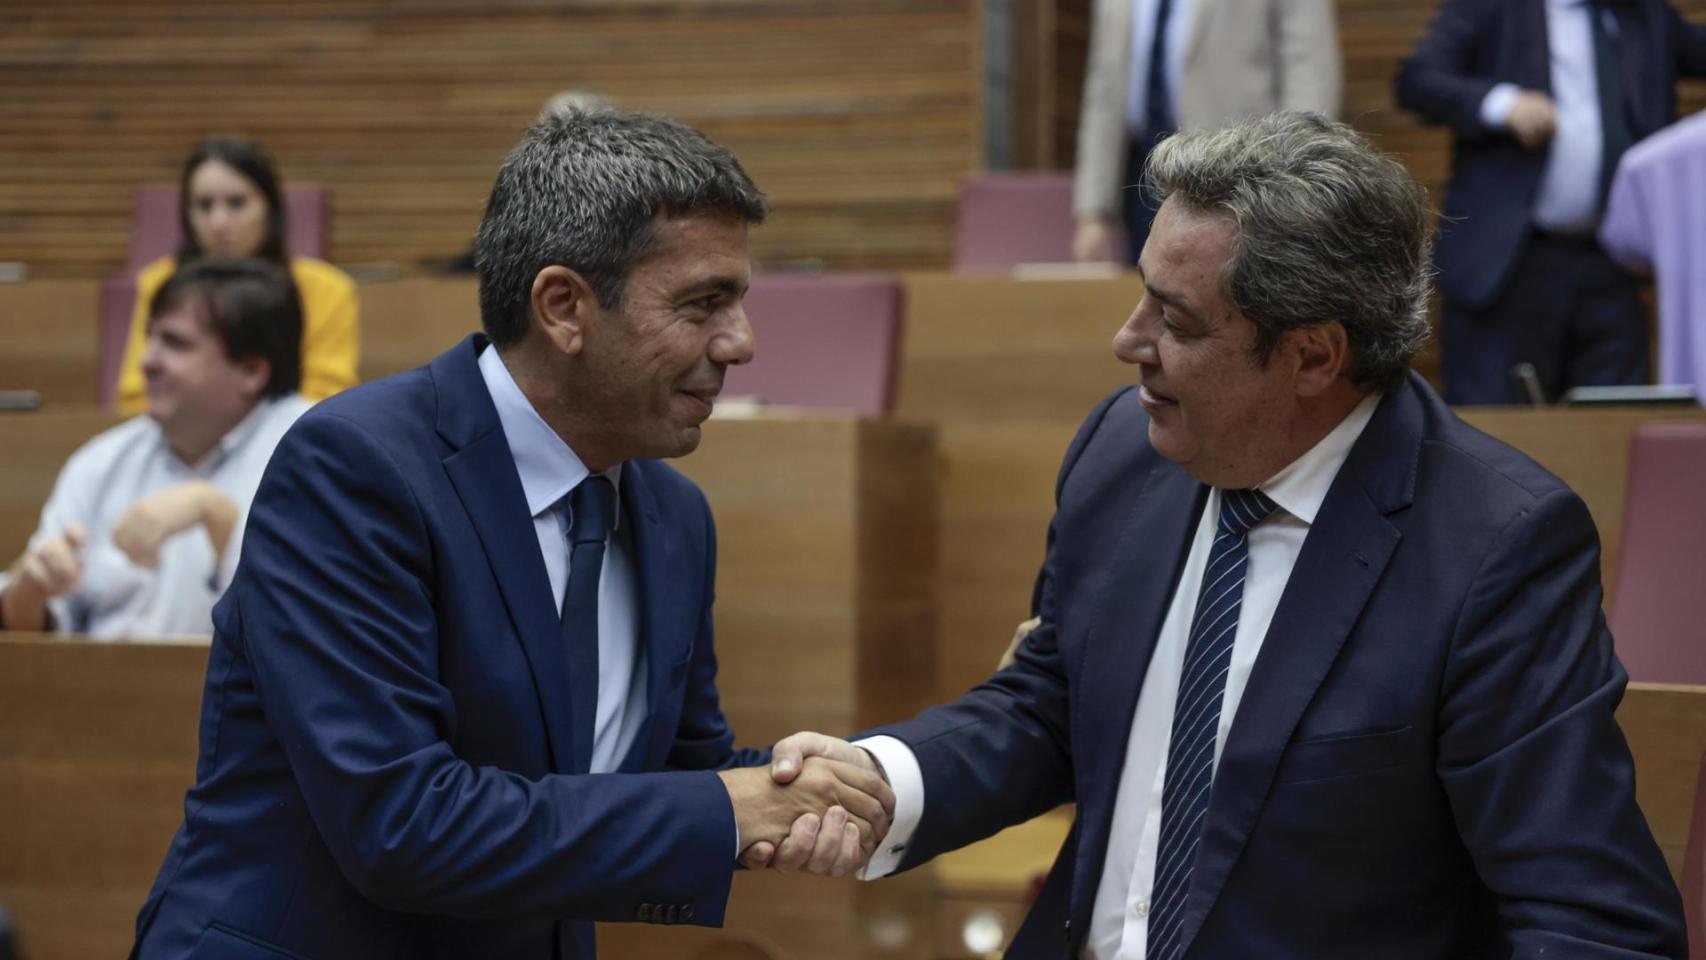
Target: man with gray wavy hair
[[1321, 666]]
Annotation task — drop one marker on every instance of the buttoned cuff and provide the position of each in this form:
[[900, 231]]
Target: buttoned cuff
[[901, 767], [1496, 105]]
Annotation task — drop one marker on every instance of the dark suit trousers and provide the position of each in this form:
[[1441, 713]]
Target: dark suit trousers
[[1567, 309]]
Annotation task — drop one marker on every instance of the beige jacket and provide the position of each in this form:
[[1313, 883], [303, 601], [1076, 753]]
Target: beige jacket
[[1242, 58]]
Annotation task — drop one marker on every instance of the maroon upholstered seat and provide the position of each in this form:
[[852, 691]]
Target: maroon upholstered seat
[[1659, 606], [1006, 219], [823, 340], [154, 233]]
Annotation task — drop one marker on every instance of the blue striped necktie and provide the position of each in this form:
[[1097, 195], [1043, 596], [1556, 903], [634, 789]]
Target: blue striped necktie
[[592, 506], [1196, 716]]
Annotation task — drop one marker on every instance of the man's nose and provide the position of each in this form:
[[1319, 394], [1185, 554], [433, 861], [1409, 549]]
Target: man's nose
[[1135, 341], [734, 344]]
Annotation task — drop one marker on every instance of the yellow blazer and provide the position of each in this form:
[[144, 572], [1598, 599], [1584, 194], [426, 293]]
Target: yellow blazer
[[331, 330]]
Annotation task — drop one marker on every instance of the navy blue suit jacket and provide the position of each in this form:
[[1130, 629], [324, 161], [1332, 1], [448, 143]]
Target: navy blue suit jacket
[[1424, 763], [1473, 45], [386, 721]]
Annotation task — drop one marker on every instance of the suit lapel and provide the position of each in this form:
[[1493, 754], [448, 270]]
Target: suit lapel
[[1343, 557], [1131, 604], [658, 563], [1533, 41], [482, 470]]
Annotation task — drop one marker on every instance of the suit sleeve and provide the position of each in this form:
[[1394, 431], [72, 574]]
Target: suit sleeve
[[1102, 134], [1438, 81], [1540, 779], [336, 617], [1311, 72], [1690, 45], [1002, 753]]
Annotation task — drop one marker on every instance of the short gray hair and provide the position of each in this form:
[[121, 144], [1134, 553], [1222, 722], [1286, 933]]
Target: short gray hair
[[583, 190], [1327, 228]]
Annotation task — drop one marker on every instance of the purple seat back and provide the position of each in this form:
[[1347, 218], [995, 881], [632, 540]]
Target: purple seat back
[[1006, 219], [825, 340], [1658, 608], [154, 229], [154, 233]]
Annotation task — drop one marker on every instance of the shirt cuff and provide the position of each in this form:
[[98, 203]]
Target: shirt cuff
[[1496, 105], [907, 781]]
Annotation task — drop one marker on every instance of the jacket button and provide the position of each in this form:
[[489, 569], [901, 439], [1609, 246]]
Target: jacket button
[[645, 914], [1067, 929]]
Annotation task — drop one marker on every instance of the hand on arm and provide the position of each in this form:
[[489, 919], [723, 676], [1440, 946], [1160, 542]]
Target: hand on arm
[[158, 517], [50, 569]]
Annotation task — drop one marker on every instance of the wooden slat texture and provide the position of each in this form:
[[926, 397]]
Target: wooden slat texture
[[858, 119], [825, 535]]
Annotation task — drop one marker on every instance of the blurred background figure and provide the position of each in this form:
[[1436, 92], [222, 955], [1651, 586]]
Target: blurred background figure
[[231, 205], [1655, 223], [1544, 96], [115, 553], [1157, 66]]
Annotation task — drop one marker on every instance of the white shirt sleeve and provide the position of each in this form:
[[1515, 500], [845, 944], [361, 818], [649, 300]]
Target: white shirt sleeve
[[1496, 105], [907, 781]]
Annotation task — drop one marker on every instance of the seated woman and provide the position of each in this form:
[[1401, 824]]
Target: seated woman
[[231, 205]]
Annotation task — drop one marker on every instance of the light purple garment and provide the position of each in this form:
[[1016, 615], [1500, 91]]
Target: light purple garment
[[1655, 222]]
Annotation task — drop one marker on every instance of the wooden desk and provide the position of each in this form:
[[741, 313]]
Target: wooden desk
[[48, 339], [826, 530]]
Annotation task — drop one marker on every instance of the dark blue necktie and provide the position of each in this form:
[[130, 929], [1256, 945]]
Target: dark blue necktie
[[1158, 104], [592, 510], [1617, 132], [1196, 716]]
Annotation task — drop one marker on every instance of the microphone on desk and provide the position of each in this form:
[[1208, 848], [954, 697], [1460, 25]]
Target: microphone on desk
[[1527, 382]]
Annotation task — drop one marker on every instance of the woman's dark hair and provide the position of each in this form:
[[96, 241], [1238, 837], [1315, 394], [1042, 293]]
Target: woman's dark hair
[[247, 158], [251, 306]]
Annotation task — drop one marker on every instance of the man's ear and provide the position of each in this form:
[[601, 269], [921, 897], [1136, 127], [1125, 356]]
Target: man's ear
[[1323, 354], [563, 305], [254, 373]]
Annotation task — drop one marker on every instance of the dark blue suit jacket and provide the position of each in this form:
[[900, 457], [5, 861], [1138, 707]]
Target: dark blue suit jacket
[[1473, 45], [1424, 763], [386, 720]]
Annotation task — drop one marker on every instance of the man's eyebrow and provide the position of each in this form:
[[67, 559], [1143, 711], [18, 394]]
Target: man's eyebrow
[[720, 284], [1173, 300]]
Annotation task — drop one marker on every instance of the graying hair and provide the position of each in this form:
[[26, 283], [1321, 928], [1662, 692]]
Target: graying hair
[[1327, 228], [583, 189]]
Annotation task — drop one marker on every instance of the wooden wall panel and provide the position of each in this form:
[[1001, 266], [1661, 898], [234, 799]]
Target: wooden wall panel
[[858, 118]]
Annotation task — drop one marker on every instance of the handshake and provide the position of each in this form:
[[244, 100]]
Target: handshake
[[823, 805]]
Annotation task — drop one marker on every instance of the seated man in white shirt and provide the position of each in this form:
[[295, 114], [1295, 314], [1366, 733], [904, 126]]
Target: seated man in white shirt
[[141, 533]]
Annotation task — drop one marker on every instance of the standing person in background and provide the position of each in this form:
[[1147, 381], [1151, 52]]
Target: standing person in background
[[1655, 223], [1543, 97], [231, 205], [142, 531], [1162, 65]]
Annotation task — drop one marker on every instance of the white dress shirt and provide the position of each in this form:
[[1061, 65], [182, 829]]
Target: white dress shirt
[[115, 598], [549, 470], [1119, 918], [1568, 201], [1143, 16]]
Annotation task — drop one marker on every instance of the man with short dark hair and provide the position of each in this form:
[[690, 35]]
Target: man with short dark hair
[[1322, 667], [461, 700], [117, 552]]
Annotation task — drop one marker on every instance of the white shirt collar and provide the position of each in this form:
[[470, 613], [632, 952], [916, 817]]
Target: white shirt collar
[[549, 469], [1301, 487]]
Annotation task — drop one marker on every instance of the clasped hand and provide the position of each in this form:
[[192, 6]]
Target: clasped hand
[[822, 806]]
